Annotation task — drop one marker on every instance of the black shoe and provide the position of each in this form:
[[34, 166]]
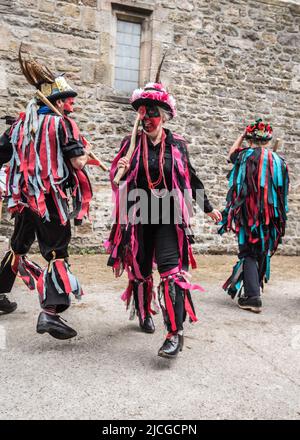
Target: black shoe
[[53, 325], [252, 303], [147, 325], [6, 306], [171, 347]]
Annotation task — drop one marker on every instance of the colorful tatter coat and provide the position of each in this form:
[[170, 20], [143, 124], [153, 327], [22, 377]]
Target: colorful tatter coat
[[40, 168], [125, 237], [40, 165], [256, 209]]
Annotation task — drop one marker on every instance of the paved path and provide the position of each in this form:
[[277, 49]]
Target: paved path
[[235, 364]]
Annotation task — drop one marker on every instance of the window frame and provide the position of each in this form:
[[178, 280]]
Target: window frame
[[121, 11]]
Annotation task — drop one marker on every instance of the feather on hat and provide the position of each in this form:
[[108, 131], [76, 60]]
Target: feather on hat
[[52, 86], [154, 93]]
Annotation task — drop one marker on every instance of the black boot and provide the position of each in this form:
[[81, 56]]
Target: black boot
[[148, 324], [171, 347], [6, 306], [251, 303], [53, 325]]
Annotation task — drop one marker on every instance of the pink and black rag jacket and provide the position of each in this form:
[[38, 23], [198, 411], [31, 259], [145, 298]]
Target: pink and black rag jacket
[[124, 241], [256, 210]]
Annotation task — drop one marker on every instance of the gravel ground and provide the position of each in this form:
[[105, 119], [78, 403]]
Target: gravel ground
[[235, 364]]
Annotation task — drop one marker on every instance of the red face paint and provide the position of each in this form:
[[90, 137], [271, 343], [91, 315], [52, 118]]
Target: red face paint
[[151, 117], [151, 124], [69, 105]]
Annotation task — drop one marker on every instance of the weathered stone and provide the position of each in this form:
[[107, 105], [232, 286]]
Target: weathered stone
[[251, 35], [228, 62], [88, 19], [47, 6]]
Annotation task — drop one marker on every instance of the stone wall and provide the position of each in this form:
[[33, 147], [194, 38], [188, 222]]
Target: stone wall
[[228, 62]]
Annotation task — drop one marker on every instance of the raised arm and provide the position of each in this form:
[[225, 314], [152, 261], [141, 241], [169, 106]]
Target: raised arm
[[237, 145]]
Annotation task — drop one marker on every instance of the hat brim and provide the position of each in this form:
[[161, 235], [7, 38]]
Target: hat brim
[[62, 95], [147, 101]]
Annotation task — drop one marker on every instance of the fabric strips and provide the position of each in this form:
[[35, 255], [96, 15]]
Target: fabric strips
[[28, 271], [257, 207], [170, 287], [234, 283], [38, 168], [123, 243], [140, 297], [58, 276]]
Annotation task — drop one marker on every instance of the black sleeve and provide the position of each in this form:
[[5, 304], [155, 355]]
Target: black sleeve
[[233, 157], [5, 148], [196, 184], [71, 147]]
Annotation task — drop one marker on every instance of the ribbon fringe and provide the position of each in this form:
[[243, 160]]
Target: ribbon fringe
[[257, 204], [171, 286], [59, 276], [38, 168]]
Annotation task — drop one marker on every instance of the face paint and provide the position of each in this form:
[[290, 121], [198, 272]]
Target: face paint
[[151, 118], [69, 105]]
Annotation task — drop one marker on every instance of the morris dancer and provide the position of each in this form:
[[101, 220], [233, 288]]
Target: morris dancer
[[47, 158], [256, 212], [159, 165]]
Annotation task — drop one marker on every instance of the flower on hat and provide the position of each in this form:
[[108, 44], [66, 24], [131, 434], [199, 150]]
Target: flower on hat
[[259, 130], [261, 126]]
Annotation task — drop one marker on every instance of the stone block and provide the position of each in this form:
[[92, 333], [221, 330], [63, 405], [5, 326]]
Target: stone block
[[227, 62], [47, 6]]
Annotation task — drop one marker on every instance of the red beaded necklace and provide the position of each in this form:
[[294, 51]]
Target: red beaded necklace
[[153, 185]]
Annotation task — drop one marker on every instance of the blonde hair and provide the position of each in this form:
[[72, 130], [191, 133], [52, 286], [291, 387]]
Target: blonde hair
[[164, 114]]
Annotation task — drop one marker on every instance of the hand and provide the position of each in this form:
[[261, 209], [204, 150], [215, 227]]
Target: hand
[[215, 215], [79, 162], [87, 148], [123, 163]]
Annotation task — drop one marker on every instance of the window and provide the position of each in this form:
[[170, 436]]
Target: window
[[128, 52], [127, 61]]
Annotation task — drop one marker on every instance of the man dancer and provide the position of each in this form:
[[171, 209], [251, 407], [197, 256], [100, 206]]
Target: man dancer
[[46, 163], [256, 211]]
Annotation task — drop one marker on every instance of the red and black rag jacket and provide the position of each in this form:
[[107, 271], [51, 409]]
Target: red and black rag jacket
[[39, 165]]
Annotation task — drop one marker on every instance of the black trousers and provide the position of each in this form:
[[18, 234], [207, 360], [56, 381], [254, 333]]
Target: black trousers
[[161, 240], [253, 259], [52, 238]]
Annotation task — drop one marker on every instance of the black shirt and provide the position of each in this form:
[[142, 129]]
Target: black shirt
[[153, 164]]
